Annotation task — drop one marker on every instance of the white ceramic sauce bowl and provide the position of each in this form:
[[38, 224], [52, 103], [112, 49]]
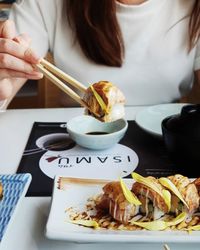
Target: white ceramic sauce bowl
[[110, 132]]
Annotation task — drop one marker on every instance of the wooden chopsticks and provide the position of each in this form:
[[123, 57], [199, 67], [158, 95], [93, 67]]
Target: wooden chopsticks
[[63, 75], [55, 75]]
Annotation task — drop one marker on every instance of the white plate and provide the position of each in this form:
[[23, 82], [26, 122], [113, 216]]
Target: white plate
[[14, 189], [74, 192], [150, 118]]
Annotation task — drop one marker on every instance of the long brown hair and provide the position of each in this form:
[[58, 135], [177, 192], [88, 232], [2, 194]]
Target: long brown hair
[[98, 33], [194, 25]]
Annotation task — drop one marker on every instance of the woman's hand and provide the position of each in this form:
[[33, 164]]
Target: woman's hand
[[17, 60]]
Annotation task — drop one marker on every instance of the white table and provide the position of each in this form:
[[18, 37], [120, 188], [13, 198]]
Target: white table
[[27, 231]]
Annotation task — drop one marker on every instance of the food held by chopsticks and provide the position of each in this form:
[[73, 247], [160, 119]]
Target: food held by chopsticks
[[1, 191], [102, 100], [170, 203], [106, 100]]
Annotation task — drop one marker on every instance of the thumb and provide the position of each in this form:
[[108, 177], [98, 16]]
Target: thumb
[[7, 29]]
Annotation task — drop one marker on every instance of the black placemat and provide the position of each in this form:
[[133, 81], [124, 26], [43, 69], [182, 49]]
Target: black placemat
[[153, 157]]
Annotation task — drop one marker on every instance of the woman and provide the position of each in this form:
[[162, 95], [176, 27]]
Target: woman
[[149, 49]]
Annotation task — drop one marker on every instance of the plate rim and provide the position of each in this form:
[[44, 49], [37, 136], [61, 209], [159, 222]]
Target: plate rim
[[144, 111]]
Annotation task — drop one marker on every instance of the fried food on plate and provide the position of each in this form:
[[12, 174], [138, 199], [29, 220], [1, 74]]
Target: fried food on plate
[[151, 203], [116, 204], [184, 193], [155, 199]]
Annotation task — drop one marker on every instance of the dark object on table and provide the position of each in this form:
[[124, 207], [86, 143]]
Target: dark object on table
[[181, 134]]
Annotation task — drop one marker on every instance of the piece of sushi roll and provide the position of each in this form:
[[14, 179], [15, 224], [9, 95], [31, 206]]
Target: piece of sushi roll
[[115, 202], [105, 100], [185, 197], [155, 199]]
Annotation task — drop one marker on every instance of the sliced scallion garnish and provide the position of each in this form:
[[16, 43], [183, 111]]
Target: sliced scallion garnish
[[130, 197], [99, 100]]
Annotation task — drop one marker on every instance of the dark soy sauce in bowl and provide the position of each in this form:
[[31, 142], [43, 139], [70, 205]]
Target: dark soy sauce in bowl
[[97, 133]]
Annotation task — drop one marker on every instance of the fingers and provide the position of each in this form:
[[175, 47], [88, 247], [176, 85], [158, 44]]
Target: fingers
[[7, 29], [18, 46], [10, 62], [18, 50], [8, 73], [16, 56]]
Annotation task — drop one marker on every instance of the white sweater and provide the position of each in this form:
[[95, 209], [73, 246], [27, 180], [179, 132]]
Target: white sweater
[[157, 66]]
